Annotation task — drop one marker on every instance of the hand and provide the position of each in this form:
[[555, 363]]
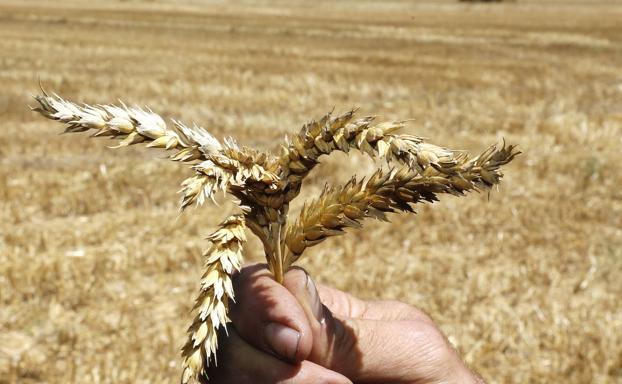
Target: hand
[[300, 333], [277, 337]]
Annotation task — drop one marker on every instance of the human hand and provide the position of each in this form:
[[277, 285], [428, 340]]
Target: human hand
[[300, 333], [270, 339]]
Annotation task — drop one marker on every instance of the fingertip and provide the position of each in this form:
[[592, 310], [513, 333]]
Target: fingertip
[[310, 372], [295, 280], [302, 286]]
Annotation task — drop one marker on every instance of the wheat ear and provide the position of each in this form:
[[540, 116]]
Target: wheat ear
[[212, 305], [342, 133], [344, 207], [216, 165]]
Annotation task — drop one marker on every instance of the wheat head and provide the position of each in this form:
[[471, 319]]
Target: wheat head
[[222, 259], [264, 184]]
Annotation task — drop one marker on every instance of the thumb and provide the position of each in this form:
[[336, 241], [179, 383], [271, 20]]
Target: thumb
[[336, 340], [400, 351], [268, 316]]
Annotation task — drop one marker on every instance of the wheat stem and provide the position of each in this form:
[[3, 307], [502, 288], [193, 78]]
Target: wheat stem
[[279, 262]]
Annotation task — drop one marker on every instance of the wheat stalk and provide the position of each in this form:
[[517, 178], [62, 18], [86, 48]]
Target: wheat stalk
[[265, 184]]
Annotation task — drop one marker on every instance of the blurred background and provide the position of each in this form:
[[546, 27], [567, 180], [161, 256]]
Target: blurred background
[[98, 274]]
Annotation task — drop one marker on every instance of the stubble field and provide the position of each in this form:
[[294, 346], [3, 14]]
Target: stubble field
[[98, 275]]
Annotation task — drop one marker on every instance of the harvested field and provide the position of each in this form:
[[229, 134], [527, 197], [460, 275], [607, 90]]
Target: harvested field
[[98, 273]]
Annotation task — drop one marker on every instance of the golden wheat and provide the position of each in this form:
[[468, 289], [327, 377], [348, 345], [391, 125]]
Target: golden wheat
[[221, 260], [342, 207], [216, 165], [265, 184]]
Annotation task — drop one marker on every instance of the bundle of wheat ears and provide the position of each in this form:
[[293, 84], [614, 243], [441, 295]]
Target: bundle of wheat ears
[[264, 184]]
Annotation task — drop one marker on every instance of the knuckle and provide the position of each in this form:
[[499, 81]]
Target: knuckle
[[433, 342], [409, 312], [399, 306]]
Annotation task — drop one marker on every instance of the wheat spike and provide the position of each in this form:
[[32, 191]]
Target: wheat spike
[[222, 259], [132, 125], [216, 165], [342, 133], [342, 207]]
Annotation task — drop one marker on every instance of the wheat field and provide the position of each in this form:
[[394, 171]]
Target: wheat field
[[98, 273]]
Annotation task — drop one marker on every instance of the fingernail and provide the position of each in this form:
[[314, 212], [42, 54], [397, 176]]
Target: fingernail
[[283, 340], [316, 304]]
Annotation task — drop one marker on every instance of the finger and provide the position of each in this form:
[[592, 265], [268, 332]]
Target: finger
[[373, 350], [241, 363], [393, 310], [329, 335], [340, 303], [268, 316], [344, 304]]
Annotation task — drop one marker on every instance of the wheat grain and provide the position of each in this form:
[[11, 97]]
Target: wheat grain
[[265, 184]]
